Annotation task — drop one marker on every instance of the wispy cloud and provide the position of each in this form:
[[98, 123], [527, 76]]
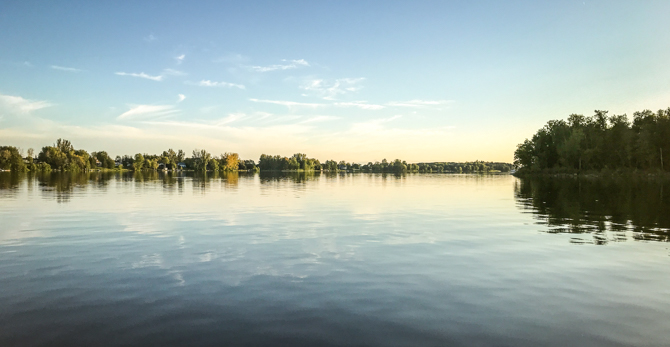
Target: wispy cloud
[[208, 83], [173, 72], [264, 115], [289, 104], [140, 75], [63, 68], [18, 104], [180, 59], [419, 103], [27, 63], [290, 64], [147, 111], [372, 125], [233, 117], [360, 104], [150, 38], [164, 73], [331, 90], [181, 97], [319, 119]]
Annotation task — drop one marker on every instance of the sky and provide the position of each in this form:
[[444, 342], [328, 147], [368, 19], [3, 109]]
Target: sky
[[357, 81]]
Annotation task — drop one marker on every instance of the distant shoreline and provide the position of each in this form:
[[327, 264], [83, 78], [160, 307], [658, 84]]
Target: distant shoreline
[[62, 156]]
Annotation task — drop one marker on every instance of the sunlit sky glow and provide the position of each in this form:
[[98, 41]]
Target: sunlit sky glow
[[354, 81]]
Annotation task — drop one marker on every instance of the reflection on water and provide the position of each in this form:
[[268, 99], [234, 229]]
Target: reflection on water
[[607, 209], [313, 259], [67, 182]]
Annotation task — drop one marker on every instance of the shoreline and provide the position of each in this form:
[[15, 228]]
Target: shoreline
[[593, 174]]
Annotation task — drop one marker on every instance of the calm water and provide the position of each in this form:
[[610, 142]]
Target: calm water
[[346, 260]]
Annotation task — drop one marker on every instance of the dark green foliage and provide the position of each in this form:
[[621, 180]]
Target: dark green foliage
[[170, 158], [298, 161], [247, 165], [600, 142], [330, 165], [127, 161], [105, 160], [438, 167]]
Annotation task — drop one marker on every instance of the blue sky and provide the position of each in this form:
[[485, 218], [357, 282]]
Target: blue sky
[[354, 81]]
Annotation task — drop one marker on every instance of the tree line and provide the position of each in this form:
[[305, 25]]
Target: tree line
[[62, 156], [397, 166], [598, 143]]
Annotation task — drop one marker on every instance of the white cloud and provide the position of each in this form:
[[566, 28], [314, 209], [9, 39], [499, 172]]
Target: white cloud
[[150, 38], [233, 117], [419, 103], [181, 97], [292, 64], [173, 72], [360, 104], [288, 104], [141, 75], [63, 68], [145, 111], [180, 59], [18, 104], [331, 90], [319, 119], [208, 83], [164, 73]]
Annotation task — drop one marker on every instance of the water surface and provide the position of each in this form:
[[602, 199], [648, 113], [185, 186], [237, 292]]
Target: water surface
[[332, 260]]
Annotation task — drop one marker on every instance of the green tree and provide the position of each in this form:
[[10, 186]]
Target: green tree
[[11, 159], [139, 162], [201, 159]]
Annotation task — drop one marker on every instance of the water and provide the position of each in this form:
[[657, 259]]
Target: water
[[341, 260]]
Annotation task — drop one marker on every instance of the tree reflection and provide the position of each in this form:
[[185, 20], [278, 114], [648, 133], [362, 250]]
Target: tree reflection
[[231, 179], [269, 177], [11, 180], [609, 209], [61, 185]]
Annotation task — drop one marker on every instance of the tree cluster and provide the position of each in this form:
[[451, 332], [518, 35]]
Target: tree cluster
[[298, 161], [11, 159], [600, 142], [398, 166]]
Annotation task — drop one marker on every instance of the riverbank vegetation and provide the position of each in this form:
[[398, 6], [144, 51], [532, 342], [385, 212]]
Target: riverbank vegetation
[[598, 144], [62, 156]]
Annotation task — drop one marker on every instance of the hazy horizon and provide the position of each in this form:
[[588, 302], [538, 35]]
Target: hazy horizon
[[421, 82]]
